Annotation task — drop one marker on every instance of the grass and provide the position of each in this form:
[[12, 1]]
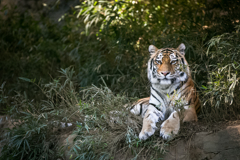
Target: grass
[[110, 72], [104, 128]]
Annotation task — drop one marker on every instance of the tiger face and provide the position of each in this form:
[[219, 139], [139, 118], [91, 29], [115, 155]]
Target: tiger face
[[167, 65]]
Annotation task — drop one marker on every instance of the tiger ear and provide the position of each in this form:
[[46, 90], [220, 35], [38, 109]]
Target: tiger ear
[[181, 48], [152, 49]]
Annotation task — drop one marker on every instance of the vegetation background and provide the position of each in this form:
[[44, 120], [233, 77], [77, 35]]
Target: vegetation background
[[91, 60]]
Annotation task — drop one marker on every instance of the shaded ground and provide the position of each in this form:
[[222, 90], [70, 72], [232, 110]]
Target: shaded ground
[[202, 141], [196, 141]]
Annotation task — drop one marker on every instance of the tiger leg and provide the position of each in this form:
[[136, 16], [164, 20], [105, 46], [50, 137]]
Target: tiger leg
[[140, 107], [170, 126], [151, 117], [190, 115]]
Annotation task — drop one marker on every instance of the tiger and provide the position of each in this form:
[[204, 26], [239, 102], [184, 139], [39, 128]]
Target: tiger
[[170, 82]]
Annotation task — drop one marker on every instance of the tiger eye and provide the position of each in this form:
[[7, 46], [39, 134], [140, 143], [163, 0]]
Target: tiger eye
[[158, 61], [174, 62]]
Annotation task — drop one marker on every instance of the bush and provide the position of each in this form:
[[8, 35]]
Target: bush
[[35, 132], [221, 91], [106, 42], [103, 125]]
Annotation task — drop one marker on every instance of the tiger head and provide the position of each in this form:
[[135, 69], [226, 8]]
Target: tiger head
[[167, 66]]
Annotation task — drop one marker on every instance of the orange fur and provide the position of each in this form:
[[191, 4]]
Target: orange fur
[[167, 70]]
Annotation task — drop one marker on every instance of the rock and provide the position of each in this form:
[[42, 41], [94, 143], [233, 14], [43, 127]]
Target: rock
[[65, 143], [224, 144]]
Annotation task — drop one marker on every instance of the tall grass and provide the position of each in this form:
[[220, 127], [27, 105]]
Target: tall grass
[[34, 135], [103, 126], [106, 44], [221, 93]]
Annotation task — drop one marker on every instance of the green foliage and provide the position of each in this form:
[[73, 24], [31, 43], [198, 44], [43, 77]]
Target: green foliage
[[29, 49], [34, 135], [223, 67], [102, 124], [106, 42], [107, 39]]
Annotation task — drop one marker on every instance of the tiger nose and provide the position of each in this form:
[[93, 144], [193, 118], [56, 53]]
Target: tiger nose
[[165, 73]]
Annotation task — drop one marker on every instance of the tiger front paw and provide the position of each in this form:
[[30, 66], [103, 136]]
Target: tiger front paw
[[145, 134], [170, 127], [148, 129]]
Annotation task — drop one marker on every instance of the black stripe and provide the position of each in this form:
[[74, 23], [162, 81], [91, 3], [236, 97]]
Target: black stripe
[[182, 60], [197, 103], [168, 50], [178, 87], [145, 112], [151, 64], [185, 91], [155, 106], [198, 109], [189, 102], [148, 116], [140, 110], [169, 102], [195, 97], [183, 63], [185, 88], [160, 95], [154, 76], [156, 113], [152, 104], [132, 107], [155, 98], [185, 94]]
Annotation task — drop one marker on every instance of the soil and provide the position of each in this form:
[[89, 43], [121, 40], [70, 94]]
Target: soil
[[205, 141], [196, 141]]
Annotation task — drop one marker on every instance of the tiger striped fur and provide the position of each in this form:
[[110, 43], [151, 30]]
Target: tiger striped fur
[[171, 82]]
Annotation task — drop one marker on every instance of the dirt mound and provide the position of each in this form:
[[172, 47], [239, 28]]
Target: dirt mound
[[196, 141], [223, 144]]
